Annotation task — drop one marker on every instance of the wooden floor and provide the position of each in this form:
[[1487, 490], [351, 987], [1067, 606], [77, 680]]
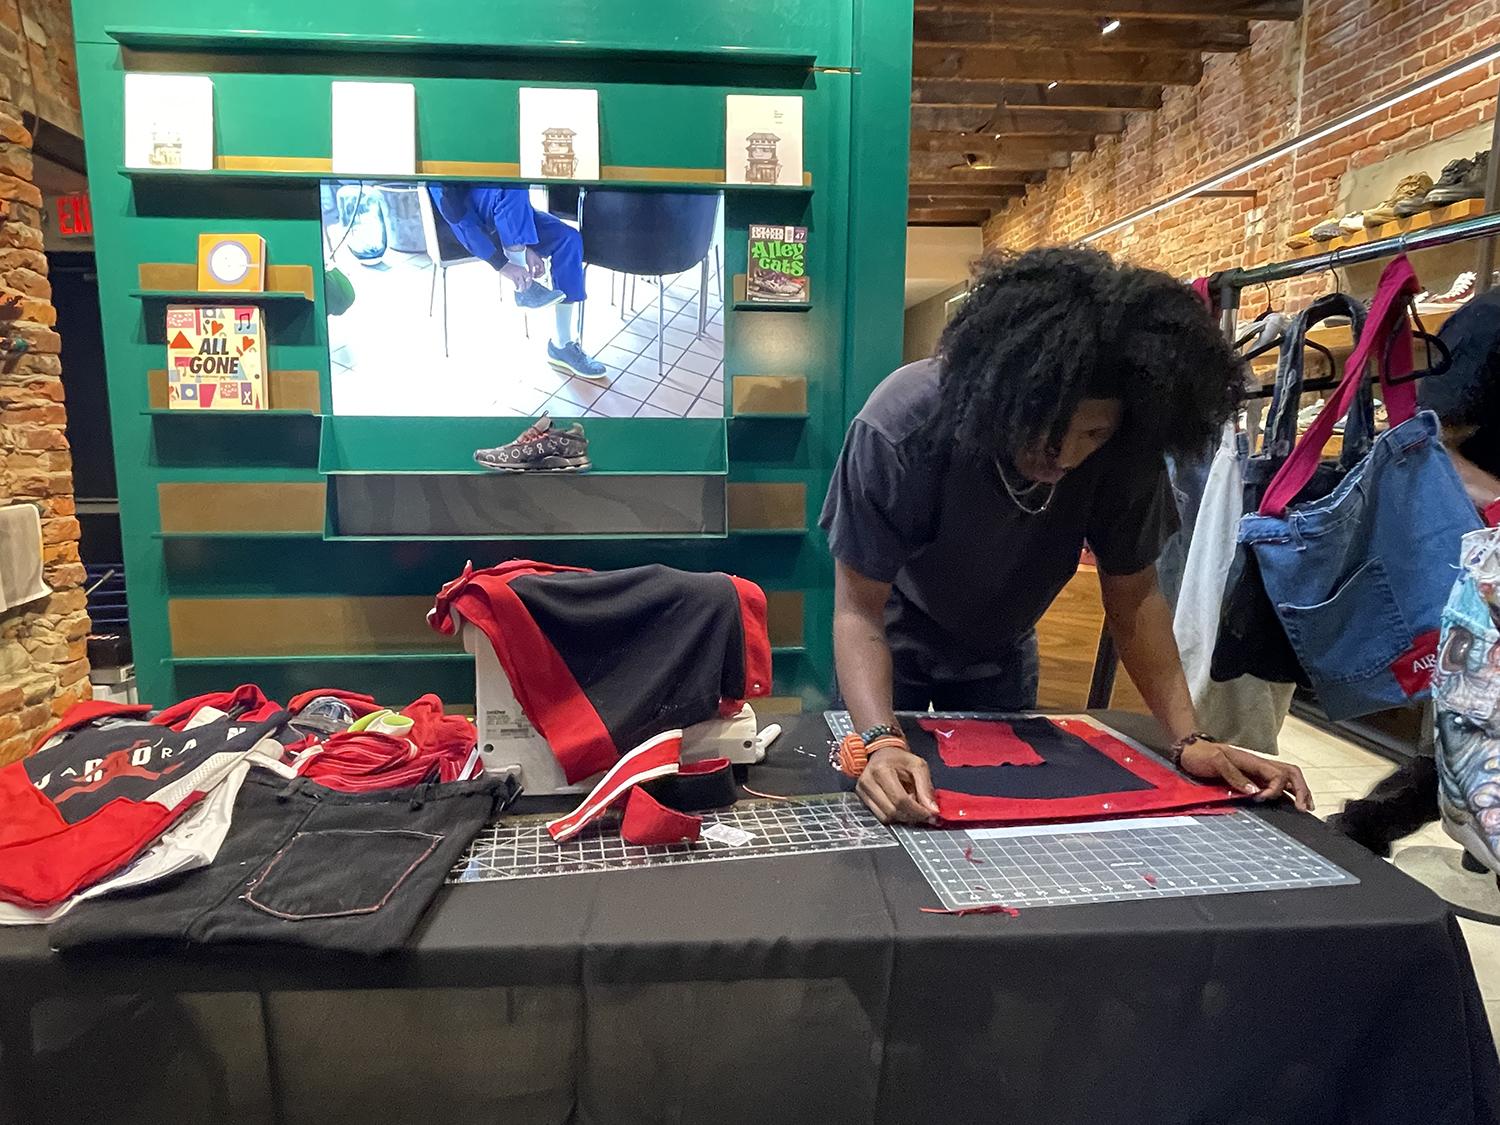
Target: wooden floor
[[1068, 636]]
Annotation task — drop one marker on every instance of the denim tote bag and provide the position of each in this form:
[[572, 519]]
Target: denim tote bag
[[1359, 577], [1250, 640]]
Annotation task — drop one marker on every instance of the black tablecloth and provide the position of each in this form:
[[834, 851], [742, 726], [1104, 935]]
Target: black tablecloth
[[806, 989]]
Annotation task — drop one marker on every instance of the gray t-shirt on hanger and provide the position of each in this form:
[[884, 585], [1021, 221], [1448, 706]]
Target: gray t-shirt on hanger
[[971, 572]]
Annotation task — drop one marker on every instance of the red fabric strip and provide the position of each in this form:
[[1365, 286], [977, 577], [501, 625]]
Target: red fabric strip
[[969, 742], [1171, 790], [656, 757], [81, 714], [648, 821], [757, 639]]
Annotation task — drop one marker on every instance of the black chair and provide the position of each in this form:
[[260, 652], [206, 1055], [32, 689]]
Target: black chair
[[562, 201], [651, 233]]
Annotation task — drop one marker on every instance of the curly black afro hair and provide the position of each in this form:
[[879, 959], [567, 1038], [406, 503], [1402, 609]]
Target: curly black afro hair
[[1042, 330]]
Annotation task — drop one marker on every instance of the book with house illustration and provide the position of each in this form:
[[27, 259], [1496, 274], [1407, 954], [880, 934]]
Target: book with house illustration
[[215, 358], [559, 133], [169, 121], [776, 269], [763, 139]]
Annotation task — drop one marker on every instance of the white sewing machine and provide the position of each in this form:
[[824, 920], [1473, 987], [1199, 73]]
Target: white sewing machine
[[509, 744]]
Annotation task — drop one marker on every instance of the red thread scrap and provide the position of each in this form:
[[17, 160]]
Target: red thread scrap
[[959, 912], [970, 856], [1150, 878]]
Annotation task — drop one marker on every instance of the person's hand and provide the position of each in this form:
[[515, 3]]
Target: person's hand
[[1263, 778], [535, 262], [519, 276], [898, 788]]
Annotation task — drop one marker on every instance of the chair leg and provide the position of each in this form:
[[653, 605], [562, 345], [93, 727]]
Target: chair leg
[[661, 327], [719, 270], [445, 313], [432, 289], [702, 296]]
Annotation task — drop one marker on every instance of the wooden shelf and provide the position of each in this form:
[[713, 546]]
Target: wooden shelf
[[772, 415], [229, 414], [1437, 217], [1339, 339], [322, 658]]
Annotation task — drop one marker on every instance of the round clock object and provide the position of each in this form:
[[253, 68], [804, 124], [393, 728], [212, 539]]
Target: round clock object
[[229, 262]]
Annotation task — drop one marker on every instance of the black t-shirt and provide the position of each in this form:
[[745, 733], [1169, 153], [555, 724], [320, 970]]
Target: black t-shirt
[[1468, 393], [971, 572]]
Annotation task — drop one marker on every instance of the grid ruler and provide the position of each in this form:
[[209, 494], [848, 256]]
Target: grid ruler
[[1121, 860], [519, 847]]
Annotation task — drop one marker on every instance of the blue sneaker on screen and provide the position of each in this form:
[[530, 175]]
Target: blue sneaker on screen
[[539, 296]]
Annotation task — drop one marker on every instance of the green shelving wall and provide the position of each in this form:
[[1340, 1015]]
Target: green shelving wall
[[662, 70]]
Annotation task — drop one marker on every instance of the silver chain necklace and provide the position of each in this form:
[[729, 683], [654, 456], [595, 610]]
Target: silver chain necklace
[[1019, 497]]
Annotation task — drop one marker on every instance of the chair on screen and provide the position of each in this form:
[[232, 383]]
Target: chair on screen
[[445, 251], [651, 234]]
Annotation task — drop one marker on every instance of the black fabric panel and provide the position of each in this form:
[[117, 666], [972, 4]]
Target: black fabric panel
[[652, 647], [305, 866], [1070, 766]]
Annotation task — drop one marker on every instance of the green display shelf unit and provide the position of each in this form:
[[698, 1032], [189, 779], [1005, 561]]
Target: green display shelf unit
[[196, 414], [188, 535], [365, 445], [766, 307], [770, 416], [321, 658]]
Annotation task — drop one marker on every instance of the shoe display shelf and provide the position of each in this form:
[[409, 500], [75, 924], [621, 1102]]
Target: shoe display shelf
[[1436, 217]]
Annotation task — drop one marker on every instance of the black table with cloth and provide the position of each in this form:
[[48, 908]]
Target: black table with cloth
[[802, 989]]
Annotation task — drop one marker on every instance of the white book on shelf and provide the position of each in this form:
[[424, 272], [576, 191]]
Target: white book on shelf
[[374, 128], [559, 133], [763, 139], [169, 121]]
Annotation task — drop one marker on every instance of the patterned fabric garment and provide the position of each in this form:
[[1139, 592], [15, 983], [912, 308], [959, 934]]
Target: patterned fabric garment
[[1466, 691]]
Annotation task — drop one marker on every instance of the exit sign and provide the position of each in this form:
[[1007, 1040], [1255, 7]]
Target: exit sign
[[74, 219]]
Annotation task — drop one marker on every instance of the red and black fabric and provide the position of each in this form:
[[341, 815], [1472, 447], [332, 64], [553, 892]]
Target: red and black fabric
[[654, 758], [600, 661], [647, 821], [708, 784], [438, 748], [1080, 771], [105, 784]]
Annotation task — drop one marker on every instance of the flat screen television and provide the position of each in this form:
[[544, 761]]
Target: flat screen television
[[469, 298]]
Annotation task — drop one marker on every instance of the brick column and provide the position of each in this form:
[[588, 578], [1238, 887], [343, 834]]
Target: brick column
[[43, 646]]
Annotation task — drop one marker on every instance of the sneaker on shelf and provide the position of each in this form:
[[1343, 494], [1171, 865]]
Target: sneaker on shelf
[[323, 716], [1300, 240], [1309, 414], [1415, 186], [539, 296], [1469, 186], [540, 448], [1326, 231], [571, 359], [1352, 223], [1459, 292], [1452, 175]]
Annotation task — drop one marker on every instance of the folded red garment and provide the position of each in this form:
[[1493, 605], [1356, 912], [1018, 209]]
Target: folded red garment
[[438, 748], [648, 821]]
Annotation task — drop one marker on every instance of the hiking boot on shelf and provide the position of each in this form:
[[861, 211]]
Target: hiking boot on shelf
[[1326, 231], [1300, 240], [1415, 186], [540, 448], [1452, 175], [1469, 186], [1352, 223]]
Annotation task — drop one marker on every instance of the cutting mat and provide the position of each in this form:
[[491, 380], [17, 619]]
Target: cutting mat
[[1108, 860], [519, 847]]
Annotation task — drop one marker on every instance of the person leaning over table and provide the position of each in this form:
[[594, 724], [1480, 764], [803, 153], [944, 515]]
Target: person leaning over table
[[970, 482]]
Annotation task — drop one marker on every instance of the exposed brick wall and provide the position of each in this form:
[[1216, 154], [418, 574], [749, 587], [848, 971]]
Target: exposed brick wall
[[1340, 56], [43, 662]]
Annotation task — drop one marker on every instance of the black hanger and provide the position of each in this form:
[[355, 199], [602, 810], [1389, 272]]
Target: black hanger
[[1445, 356], [1276, 343]]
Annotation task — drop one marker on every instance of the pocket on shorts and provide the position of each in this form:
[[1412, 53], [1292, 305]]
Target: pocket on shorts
[[1352, 635], [338, 873]]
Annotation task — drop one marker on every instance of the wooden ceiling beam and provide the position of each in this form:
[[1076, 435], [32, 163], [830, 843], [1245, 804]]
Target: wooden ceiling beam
[[1065, 97], [945, 194], [1134, 9], [1014, 122], [961, 202], [955, 164], [1002, 64], [984, 28], [924, 140], [923, 179], [948, 217]]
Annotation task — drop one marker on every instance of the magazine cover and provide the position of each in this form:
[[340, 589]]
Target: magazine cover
[[169, 121], [559, 133], [777, 265], [763, 139], [215, 358]]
